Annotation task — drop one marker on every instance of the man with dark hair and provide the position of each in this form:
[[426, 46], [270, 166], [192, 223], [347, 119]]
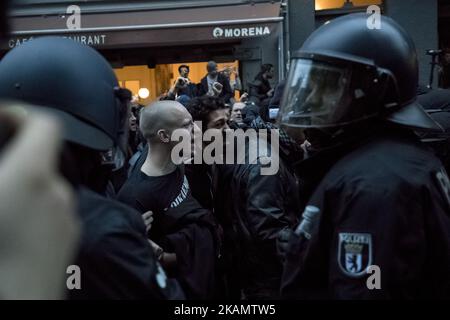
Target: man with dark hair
[[211, 111], [252, 209], [183, 70], [215, 84], [260, 90], [183, 88]]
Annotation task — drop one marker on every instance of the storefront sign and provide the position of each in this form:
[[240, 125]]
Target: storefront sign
[[88, 39], [257, 31]]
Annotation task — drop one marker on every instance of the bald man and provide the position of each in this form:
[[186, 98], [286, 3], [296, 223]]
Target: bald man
[[181, 227]]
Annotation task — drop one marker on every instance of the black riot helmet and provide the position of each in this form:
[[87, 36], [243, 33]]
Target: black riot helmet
[[74, 82], [346, 73]]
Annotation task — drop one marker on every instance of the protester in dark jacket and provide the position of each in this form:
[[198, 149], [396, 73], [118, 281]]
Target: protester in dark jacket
[[260, 90], [215, 84], [252, 209]]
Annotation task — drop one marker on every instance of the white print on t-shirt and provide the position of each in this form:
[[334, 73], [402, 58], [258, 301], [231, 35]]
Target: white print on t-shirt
[[183, 194]]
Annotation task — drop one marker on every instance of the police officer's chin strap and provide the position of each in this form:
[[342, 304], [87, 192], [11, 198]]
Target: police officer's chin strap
[[115, 158], [325, 140], [82, 166]]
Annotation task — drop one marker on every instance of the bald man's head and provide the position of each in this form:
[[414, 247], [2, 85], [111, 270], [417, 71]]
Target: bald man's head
[[161, 118]]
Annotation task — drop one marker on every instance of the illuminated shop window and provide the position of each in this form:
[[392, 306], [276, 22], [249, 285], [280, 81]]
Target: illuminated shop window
[[339, 4]]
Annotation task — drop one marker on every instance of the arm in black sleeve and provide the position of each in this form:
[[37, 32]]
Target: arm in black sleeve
[[122, 265], [226, 90], [266, 202], [254, 90]]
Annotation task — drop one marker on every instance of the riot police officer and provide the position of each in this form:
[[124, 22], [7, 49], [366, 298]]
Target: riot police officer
[[377, 217], [77, 85]]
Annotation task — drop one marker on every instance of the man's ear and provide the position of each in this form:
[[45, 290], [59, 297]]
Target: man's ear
[[163, 136]]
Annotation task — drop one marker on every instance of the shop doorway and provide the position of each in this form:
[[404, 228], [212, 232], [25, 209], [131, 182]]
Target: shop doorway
[[157, 81]]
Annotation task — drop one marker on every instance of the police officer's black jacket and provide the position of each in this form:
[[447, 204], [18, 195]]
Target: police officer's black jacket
[[385, 203], [252, 209], [115, 258]]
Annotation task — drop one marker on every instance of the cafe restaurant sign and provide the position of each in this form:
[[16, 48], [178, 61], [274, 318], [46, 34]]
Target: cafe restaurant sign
[[88, 39]]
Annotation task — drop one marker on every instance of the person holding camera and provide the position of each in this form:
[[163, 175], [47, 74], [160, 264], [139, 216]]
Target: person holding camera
[[183, 85], [215, 84]]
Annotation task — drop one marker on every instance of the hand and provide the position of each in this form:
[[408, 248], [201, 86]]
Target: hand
[[217, 88], [148, 220], [270, 92], [283, 241], [167, 260], [244, 97], [306, 145], [156, 249], [38, 225]]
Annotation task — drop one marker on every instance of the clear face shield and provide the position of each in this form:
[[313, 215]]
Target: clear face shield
[[313, 94], [323, 95]]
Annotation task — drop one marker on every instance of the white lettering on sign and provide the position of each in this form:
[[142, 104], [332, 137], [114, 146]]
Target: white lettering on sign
[[91, 40], [241, 32], [12, 43]]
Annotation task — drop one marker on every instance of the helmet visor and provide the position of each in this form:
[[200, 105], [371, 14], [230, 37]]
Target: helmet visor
[[316, 95]]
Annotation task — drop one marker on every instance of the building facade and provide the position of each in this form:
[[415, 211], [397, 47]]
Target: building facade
[[146, 41]]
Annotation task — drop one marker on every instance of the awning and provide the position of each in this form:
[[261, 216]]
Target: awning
[[155, 27]]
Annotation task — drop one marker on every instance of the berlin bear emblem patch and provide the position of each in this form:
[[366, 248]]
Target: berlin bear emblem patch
[[354, 253]]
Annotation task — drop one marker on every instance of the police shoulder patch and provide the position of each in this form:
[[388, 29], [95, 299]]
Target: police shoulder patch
[[354, 253]]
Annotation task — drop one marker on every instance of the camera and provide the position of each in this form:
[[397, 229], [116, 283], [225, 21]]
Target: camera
[[182, 81]]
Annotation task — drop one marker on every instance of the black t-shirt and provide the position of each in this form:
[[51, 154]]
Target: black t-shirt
[[180, 226], [153, 193], [159, 194]]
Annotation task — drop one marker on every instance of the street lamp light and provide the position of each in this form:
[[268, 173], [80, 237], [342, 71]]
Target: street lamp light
[[144, 93]]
